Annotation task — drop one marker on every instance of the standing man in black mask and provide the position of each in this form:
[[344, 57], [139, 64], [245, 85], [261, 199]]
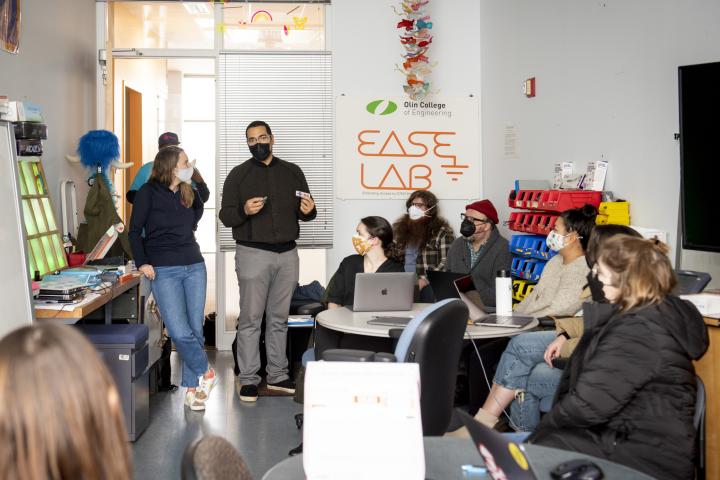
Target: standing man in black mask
[[262, 200], [481, 251]]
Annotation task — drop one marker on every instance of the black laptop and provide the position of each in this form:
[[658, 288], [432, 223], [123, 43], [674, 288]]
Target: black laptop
[[442, 284]]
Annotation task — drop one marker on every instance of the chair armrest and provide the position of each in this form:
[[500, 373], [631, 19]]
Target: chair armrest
[[310, 309], [547, 322], [395, 333], [560, 363], [383, 357], [345, 355]]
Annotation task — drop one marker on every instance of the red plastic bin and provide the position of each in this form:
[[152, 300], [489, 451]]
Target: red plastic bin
[[532, 222], [553, 200]]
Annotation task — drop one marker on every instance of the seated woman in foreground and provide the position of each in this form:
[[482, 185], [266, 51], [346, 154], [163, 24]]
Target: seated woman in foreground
[[62, 417], [628, 393], [376, 253]]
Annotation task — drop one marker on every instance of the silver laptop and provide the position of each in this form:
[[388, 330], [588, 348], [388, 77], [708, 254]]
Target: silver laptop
[[479, 312], [384, 292]]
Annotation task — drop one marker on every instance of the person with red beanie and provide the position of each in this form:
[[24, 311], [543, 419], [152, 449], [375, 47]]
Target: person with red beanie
[[480, 251]]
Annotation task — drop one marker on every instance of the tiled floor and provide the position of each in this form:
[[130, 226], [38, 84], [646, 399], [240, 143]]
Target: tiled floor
[[262, 432]]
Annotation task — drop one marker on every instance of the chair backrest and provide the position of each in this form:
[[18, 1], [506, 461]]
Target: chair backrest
[[699, 424], [213, 458], [690, 282], [433, 339], [699, 404]]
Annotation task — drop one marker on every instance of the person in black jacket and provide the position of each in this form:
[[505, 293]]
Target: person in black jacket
[[376, 253], [628, 393], [262, 200]]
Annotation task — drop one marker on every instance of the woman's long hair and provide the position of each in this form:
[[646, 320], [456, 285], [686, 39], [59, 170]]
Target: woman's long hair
[[62, 417], [419, 232], [380, 228], [601, 233], [639, 268], [162, 172]]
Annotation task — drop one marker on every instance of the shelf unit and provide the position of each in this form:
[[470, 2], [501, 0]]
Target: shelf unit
[[539, 212]]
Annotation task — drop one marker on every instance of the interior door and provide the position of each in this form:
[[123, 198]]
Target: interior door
[[132, 143]]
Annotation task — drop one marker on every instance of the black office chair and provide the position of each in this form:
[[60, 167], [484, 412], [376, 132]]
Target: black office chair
[[699, 424], [213, 458], [433, 339], [690, 282]]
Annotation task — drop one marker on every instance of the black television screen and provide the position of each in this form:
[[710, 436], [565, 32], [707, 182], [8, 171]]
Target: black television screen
[[699, 87]]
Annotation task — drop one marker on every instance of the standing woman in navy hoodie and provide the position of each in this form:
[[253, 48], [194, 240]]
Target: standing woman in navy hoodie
[[168, 210]]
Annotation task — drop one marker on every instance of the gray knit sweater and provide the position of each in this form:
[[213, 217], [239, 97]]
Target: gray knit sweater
[[558, 293], [494, 256]]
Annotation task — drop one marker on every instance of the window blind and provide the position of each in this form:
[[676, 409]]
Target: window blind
[[292, 92]]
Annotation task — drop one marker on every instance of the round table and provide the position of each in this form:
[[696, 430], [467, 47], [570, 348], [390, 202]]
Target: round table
[[444, 456], [346, 321]]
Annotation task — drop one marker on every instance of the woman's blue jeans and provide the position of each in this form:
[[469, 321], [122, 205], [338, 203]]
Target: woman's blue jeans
[[180, 296], [522, 368]]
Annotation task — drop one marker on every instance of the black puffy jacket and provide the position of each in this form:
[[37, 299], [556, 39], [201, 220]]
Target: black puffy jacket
[[628, 393]]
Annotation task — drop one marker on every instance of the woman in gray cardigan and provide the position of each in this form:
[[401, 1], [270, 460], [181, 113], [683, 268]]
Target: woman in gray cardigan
[[481, 251]]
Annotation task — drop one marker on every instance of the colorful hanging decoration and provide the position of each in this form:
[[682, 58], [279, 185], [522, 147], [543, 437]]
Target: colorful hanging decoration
[[10, 25], [415, 37]]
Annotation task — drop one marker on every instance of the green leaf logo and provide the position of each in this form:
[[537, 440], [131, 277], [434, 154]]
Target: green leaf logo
[[381, 107]]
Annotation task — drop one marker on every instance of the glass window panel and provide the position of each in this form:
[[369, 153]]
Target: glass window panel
[[38, 178], [31, 261], [199, 143], [28, 178], [59, 251], [49, 214], [210, 302], [39, 218], [198, 96], [23, 185], [29, 219], [232, 294], [49, 253], [163, 24], [274, 26], [36, 247], [205, 234]]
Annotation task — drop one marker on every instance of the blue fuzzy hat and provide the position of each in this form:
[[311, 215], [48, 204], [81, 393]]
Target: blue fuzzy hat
[[98, 148]]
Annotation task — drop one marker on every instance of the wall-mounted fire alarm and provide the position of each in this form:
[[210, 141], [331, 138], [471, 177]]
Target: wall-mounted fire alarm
[[530, 87]]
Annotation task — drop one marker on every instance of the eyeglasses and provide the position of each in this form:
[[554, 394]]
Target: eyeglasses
[[476, 221], [419, 205], [261, 139]]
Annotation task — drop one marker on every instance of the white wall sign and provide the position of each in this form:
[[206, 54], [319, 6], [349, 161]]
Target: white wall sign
[[387, 148]]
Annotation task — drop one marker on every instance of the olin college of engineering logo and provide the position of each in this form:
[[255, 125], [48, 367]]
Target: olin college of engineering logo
[[381, 107]]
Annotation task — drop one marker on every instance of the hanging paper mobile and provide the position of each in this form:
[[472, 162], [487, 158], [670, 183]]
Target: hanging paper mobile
[[415, 37]]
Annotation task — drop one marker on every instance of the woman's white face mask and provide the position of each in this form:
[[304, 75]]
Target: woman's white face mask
[[185, 174], [556, 242]]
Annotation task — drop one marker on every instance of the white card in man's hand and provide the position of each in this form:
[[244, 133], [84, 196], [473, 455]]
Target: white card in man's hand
[[300, 194]]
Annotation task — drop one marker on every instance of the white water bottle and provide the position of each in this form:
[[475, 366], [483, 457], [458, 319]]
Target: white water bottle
[[503, 293]]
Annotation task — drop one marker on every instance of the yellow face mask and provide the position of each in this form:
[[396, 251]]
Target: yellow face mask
[[361, 245]]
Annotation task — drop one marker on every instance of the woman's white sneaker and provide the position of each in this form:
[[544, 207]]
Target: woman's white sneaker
[[195, 400]]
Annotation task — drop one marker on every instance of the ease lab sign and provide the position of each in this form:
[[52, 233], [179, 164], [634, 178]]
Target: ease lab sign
[[389, 147]]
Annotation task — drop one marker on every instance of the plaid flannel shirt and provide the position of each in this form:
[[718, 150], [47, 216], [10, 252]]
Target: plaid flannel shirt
[[433, 255]]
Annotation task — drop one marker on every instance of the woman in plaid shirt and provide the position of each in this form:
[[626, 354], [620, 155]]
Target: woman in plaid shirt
[[425, 237]]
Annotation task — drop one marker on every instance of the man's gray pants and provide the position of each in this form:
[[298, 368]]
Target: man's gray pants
[[267, 281]]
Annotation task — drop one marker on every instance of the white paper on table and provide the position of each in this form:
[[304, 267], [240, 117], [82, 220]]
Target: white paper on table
[[362, 421]]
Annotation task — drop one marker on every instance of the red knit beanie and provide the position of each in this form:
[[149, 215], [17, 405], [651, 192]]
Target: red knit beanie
[[485, 207]]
